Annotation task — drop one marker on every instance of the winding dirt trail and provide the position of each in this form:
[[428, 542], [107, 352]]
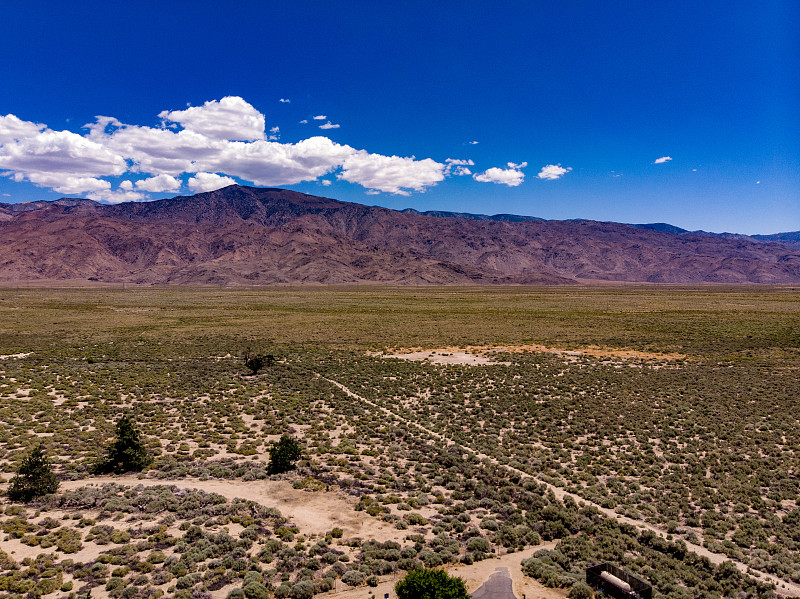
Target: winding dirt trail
[[783, 587]]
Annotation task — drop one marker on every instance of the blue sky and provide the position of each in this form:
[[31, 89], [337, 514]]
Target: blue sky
[[687, 113]]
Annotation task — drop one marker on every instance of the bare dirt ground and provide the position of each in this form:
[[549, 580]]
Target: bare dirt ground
[[443, 356], [313, 512], [477, 355]]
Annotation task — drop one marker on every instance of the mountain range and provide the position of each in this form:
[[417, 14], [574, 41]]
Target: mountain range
[[266, 236]]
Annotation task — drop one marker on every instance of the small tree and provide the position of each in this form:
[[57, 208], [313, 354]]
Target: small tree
[[34, 477], [283, 455], [430, 584], [127, 453], [255, 362]]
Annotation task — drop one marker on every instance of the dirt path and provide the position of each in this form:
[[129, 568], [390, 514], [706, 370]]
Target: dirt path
[[782, 586], [497, 586]]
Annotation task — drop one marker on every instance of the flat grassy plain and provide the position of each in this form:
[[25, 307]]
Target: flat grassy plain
[[637, 459]]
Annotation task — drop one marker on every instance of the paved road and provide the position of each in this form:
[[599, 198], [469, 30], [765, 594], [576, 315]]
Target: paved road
[[498, 586]]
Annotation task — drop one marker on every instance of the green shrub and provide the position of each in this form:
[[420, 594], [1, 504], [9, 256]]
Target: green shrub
[[353, 578], [580, 590], [430, 584], [302, 590], [255, 590], [479, 544], [120, 536]]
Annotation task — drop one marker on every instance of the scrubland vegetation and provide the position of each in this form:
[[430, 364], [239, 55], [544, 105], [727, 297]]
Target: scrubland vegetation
[[461, 462]]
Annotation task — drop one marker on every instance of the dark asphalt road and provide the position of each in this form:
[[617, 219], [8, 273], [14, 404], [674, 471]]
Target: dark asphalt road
[[498, 586]]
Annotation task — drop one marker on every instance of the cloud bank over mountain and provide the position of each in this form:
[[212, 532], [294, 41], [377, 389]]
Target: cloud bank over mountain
[[204, 148]]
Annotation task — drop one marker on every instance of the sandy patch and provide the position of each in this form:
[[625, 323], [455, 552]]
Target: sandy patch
[[313, 512], [483, 354], [18, 550], [141, 309], [15, 356], [444, 356], [89, 551]]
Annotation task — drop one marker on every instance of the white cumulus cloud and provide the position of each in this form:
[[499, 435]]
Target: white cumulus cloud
[[50, 152], [391, 174], [551, 172], [272, 163], [284, 101], [511, 176], [64, 161], [212, 145], [152, 150], [230, 118], [662, 160], [458, 167], [159, 183], [71, 185], [13, 128], [116, 196], [320, 117], [209, 182]]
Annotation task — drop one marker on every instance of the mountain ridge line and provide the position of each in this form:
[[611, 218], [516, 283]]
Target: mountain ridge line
[[242, 235]]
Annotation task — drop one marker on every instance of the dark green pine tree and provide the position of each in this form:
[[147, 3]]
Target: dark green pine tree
[[283, 455], [34, 478], [127, 453]]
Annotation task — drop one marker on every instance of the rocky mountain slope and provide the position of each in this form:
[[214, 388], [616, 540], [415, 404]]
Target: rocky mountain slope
[[258, 236]]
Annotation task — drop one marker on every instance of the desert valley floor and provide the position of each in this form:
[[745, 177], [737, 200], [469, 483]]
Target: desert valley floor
[[530, 428]]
